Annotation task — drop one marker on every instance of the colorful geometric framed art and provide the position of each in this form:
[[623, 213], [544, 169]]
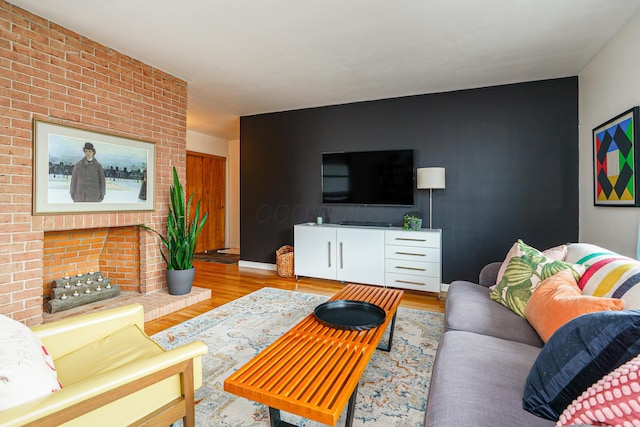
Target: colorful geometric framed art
[[615, 161]]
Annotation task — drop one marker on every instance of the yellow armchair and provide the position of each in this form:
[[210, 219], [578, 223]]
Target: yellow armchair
[[113, 374]]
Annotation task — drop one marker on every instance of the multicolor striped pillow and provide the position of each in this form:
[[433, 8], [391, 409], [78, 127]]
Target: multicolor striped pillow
[[614, 277], [587, 254], [608, 274]]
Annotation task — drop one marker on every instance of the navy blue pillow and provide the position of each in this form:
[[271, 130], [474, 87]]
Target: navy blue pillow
[[577, 355]]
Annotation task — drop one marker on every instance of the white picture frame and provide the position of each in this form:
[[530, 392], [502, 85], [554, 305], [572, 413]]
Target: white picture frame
[[57, 149]]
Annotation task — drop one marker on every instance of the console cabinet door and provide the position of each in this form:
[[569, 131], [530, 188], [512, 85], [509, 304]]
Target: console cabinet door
[[360, 255], [315, 251]]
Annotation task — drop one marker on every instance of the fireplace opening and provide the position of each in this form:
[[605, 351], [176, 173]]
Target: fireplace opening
[[113, 252]]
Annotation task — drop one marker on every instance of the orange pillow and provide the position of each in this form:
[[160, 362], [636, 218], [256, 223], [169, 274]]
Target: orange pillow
[[558, 299]]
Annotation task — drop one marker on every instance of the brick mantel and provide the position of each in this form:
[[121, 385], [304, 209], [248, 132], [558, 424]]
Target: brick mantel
[[50, 73]]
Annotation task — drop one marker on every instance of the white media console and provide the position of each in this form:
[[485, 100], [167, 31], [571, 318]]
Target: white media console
[[386, 256]]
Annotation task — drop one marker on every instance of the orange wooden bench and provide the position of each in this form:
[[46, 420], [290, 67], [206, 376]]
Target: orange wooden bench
[[313, 370]]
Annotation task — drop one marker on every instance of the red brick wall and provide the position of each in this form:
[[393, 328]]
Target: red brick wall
[[50, 73], [120, 258]]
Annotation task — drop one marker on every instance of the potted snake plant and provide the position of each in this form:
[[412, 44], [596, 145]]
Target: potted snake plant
[[181, 238]]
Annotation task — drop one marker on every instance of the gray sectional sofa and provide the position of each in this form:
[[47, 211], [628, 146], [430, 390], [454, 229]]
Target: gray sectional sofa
[[482, 362], [489, 357]]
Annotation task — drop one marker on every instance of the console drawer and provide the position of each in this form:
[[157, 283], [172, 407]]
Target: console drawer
[[409, 281], [411, 253], [412, 238], [415, 268]]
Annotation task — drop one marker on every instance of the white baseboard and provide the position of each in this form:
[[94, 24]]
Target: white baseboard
[[257, 265], [444, 287]]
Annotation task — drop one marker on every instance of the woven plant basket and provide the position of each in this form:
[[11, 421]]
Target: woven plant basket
[[284, 261]]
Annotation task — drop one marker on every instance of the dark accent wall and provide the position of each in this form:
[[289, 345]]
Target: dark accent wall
[[510, 153]]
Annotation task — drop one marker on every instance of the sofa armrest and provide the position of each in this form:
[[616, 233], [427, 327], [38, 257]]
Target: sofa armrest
[[64, 336], [489, 274], [127, 382]]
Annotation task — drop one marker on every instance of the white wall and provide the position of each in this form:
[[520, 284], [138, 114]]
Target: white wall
[[608, 86], [230, 150], [207, 144]]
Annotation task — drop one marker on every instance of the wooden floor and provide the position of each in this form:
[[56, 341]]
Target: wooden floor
[[228, 282]]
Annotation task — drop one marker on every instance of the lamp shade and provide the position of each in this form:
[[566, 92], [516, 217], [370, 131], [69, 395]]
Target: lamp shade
[[430, 178]]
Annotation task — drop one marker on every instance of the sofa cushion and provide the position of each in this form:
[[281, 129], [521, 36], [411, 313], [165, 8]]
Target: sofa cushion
[[614, 400], [477, 380], [469, 308], [558, 299], [26, 368], [578, 355], [112, 352], [524, 271]]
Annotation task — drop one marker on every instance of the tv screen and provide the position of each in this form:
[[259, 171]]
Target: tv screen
[[368, 178]]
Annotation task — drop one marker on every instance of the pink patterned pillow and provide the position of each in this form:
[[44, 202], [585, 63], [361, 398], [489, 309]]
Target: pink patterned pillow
[[612, 401]]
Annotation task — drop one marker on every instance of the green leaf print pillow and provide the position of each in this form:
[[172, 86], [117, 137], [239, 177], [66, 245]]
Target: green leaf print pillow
[[524, 272]]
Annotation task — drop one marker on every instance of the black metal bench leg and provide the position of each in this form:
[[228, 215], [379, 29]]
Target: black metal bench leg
[[393, 327], [351, 407], [274, 418], [276, 421]]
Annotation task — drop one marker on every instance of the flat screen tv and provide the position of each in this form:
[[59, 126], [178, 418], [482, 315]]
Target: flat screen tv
[[382, 178]]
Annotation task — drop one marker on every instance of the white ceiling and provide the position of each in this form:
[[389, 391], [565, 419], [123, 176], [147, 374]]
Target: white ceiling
[[244, 57]]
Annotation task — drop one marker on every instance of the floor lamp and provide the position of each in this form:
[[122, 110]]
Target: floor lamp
[[430, 178]]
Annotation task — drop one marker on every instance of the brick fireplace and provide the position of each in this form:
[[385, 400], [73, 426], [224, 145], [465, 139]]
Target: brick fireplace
[[50, 73]]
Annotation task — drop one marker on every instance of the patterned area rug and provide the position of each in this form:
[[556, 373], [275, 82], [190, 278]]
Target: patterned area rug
[[392, 390]]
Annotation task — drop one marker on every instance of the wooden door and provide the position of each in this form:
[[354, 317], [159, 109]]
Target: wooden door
[[206, 177]]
